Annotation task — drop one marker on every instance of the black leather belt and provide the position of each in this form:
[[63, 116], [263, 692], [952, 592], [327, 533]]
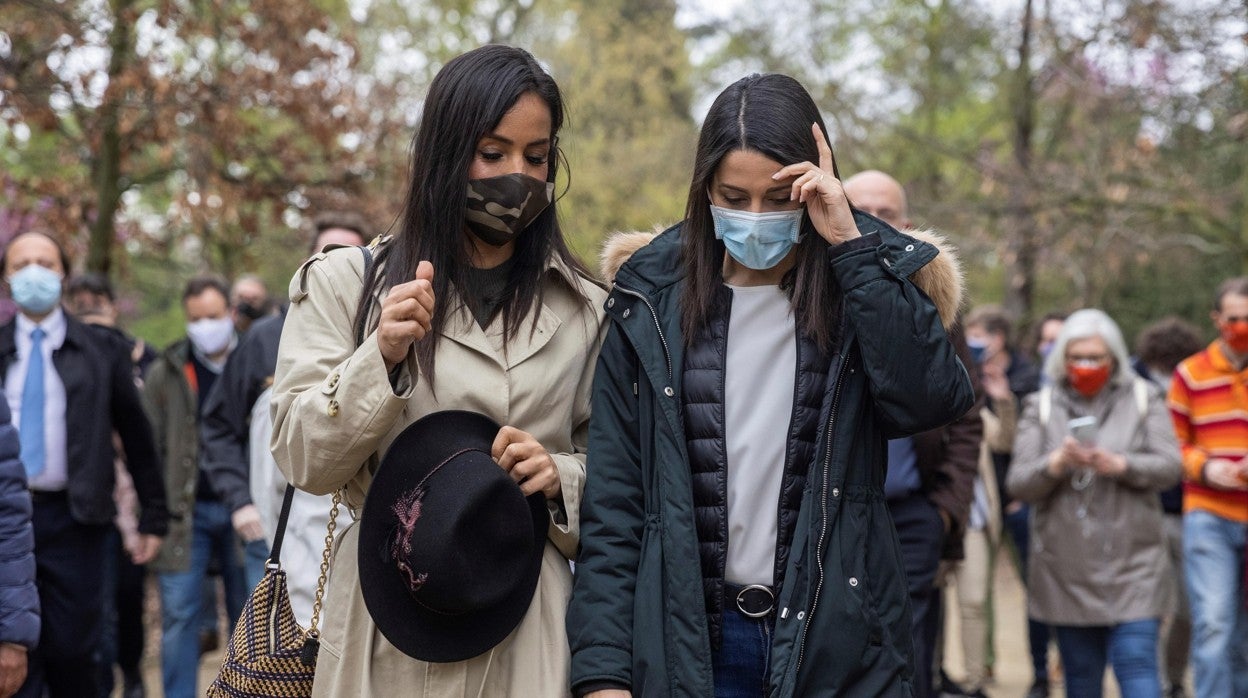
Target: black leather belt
[[752, 600], [47, 496]]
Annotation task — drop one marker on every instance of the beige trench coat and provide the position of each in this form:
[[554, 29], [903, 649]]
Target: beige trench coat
[[1097, 554], [333, 407]]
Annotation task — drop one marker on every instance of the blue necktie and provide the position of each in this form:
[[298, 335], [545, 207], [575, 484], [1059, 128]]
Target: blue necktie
[[31, 428]]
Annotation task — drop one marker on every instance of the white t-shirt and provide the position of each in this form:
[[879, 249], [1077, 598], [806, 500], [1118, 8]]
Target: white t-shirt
[[759, 378]]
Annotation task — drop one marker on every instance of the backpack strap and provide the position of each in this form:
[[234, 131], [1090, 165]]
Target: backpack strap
[[1045, 404], [1140, 388]]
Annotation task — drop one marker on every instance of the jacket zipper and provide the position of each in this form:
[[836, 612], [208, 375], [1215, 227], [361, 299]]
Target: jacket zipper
[[823, 522], [667, 354]]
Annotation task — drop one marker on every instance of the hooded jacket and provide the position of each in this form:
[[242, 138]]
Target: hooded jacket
[[637, 616]]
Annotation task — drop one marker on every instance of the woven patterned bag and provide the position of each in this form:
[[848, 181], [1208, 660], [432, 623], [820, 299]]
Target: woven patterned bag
[[269, 655]]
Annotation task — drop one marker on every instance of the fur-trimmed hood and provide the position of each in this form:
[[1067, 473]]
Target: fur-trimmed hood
[[941, 279]]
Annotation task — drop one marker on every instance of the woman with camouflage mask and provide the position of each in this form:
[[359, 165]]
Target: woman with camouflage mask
[[475, 304]]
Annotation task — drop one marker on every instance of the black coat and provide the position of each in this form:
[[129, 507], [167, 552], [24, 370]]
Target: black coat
[[224, 427], [100, 397], [637, 615]]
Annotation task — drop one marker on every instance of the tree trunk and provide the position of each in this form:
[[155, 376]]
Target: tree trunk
[[1242, 205], [1021, 231], [106, 166]]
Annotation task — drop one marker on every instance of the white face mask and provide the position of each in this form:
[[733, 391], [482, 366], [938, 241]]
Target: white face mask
[[210, 335]]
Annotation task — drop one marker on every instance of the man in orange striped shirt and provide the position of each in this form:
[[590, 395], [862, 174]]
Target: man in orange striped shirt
[[1209, 403]]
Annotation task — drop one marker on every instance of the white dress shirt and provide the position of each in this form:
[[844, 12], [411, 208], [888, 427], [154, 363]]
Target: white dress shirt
[[55, 473]]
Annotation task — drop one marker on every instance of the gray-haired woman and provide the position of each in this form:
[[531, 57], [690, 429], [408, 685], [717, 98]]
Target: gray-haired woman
[[1093, 449]]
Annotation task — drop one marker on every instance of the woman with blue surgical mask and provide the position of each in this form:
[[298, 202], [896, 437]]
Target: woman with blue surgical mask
[[735, 538]]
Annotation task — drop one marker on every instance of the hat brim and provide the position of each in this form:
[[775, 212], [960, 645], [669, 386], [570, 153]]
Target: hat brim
[[412, 628]]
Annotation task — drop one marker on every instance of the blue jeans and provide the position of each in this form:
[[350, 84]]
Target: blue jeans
[[1131, 649], [1213, 563], [255, 554], [741, 663], [1018, 525], [181, 597]]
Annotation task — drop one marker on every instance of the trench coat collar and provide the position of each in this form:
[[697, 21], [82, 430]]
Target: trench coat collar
[[529, 339]]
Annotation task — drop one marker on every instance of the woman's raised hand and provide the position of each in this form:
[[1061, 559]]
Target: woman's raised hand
[[822, 193], [406, 316]]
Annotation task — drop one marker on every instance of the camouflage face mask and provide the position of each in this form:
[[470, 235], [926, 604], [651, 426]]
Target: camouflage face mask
[[500, 207]]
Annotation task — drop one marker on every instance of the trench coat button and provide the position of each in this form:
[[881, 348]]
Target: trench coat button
[[627, 312], [332, 408], [909, 248], [853, 581], [610, 302], [668, 391], [333, 380]]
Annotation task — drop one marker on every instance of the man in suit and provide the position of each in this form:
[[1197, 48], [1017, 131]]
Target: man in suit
[[69, 386]]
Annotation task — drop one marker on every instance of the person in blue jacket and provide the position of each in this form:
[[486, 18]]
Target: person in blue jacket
[[735, 535], [19, 599]]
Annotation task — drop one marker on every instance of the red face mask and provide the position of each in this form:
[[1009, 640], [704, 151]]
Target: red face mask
[[1087, 380], [1235, 334]]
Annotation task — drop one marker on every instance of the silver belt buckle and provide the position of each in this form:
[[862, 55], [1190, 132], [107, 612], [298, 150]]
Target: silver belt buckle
[[761, 588]]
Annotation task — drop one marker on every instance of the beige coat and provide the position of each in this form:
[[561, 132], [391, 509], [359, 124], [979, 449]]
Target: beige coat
[[333, 408], [1000, 426], [1097, 554]]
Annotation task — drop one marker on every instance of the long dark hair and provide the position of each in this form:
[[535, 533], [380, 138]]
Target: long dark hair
[[770, 114], [467, 99]]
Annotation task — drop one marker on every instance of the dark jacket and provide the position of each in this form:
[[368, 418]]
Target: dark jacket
[[703, 393], [100, 397], [172, 403], [948, 459], [224, 428], [637, 615], [19, 599]]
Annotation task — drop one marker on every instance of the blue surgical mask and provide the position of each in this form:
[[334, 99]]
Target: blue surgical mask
[[979, 349], [35, 289], [757, 240]]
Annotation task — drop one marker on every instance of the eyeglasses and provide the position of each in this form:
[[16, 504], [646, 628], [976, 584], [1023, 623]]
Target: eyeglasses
[[1087, 358]]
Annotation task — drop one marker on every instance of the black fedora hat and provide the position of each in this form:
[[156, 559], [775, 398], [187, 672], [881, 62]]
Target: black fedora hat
[[450, 548]]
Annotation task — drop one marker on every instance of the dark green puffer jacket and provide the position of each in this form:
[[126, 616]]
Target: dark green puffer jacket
[[842, 626]]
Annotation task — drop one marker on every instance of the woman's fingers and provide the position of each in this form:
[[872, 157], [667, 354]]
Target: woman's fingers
[[526, 461], [826, 161]]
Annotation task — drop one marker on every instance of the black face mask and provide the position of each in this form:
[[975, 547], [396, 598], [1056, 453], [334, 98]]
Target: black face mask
[[499, 208], [253, 312]]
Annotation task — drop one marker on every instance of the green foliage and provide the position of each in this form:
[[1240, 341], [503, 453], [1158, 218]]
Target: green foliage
[[630, 138], [1117, 158]]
